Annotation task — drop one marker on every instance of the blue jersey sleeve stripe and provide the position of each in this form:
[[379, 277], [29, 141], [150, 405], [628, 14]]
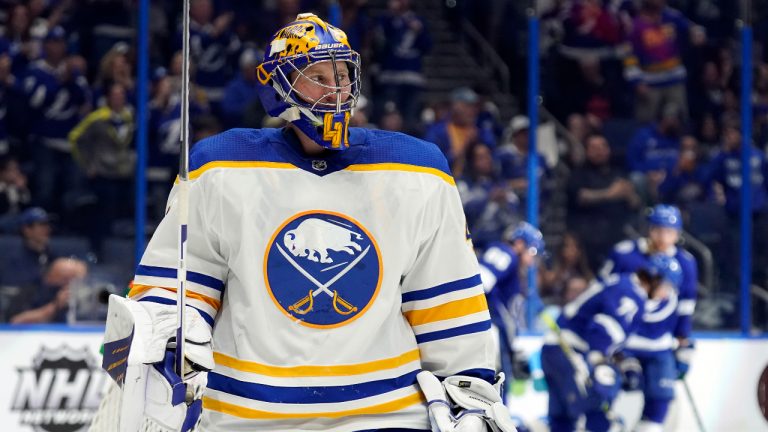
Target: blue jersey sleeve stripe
[[145, 270], [445, 288], [308, 395], [484, 374], [209, 319], [456, 331], [198, 278], [205, 280]]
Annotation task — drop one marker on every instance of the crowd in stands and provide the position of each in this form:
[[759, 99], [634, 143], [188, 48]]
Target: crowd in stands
[[647, 91]]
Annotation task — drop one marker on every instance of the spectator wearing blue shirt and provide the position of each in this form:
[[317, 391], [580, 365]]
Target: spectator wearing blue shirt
[[401, 41], [241, 94], [490, 206], [513, 155], [454, 134], [23, 48], [681, 185], [49, 300], [58, 96], [724, 171], [654, 151], [27, 265], [214, 48]]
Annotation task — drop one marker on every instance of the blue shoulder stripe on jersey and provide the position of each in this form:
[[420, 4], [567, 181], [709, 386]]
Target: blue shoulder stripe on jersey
[[165, 272], [445, 288], [161, 300], [235, 145], [377, 147], [395, 147], [308, 395], [456, 331]]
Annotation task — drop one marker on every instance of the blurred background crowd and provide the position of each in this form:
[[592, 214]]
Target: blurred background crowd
[[640, 106]]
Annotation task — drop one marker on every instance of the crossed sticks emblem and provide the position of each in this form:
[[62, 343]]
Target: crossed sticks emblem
[[340, 305]]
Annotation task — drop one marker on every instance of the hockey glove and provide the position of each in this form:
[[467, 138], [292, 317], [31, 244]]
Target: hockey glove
[[171, 403], [137, 340], [632, 374], [683, 356], [604, 376], [465, 404]]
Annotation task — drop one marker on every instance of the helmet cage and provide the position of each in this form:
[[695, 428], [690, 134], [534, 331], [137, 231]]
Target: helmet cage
[[286, 87]]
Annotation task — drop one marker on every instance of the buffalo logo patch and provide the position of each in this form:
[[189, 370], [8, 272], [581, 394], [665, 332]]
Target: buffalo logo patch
[[322, 269]]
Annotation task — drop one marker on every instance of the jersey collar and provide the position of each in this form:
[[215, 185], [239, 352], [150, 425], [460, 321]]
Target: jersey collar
[[288, 146]]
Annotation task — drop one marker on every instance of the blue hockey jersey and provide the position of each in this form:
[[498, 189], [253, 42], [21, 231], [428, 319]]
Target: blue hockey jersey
[[604, 316], [215, 57], [499, 271], [666, 318], [55, 102]]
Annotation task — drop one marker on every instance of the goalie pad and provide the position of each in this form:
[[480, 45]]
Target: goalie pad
[[478, 404], [136, 339]]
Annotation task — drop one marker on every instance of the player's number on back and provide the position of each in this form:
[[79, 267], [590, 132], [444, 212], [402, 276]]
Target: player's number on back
[[499, 259], [627, 309]]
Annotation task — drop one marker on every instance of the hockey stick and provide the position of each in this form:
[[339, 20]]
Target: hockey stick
[[183, 200], [693, 405], [567, 350]]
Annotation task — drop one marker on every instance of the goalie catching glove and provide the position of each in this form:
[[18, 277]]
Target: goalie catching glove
[[139, 355], [465, 404]]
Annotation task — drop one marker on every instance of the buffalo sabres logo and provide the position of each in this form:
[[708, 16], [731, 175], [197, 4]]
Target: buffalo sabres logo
[[323, 269]]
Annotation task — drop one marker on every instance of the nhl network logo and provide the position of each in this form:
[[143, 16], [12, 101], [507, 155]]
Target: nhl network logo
[[60, 392]]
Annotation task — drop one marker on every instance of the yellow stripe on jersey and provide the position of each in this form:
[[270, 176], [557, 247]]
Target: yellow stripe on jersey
[[137, 289], [402, 167], [315, 371], [237, 164], [454, 309], [249, 413]]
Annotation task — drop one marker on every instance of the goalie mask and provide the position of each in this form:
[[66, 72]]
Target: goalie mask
[[323, 115]]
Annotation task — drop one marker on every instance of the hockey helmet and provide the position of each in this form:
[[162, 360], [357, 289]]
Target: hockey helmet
[[665, 267], [663, 215], [294, 48], [532, 237]]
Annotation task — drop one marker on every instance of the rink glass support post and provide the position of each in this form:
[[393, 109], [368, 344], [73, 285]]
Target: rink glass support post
[[534, 302], [746, 170]]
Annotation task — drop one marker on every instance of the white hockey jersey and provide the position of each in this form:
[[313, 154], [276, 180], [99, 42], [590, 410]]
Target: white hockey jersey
[[329, 282]]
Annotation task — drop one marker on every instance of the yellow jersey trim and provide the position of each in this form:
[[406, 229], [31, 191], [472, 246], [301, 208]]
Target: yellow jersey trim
[[402, 167], [454, 309], [315, 371], [249, 413], [358, 167], [237, 164], [137, 289]]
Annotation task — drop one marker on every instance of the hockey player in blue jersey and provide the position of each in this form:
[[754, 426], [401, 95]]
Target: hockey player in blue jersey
[[500, 270], [577, 355], [662, 343]]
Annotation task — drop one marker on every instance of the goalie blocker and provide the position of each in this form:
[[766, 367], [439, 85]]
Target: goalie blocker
[[139, 356]]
